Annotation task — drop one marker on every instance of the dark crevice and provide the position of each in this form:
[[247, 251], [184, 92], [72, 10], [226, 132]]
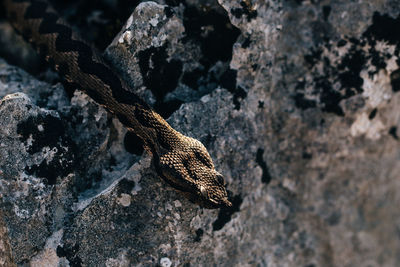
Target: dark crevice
[[70, 253], [125, 186], [352, 64], [306, 155], [334, 218], [372, 114], [341, 43], [266, 176], [193, 77], [165, 109], [47, 131], [228, 81], [216, 44], [395, 80], [48, 171], [393, 132], [225, 214], [133, 143], [326, 10], [160, 75], [302, 102], [246, 42], [347, 73], [199, 235], [246, 9], [325, 95], [99, 25], [238, 95], [384, 28]]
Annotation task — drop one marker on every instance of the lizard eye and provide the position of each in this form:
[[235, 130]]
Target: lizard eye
[[220, 179], [203, 191]]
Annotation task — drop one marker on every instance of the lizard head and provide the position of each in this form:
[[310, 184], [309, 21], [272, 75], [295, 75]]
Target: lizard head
[[189, 168]]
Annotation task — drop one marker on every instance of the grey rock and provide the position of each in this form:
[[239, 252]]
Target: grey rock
[[6, 258], [33, 156], [43, 174], [155, 51], [302, 119], [17, 80]]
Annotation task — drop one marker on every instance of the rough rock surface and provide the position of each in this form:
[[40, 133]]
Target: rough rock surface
[[297, 101]]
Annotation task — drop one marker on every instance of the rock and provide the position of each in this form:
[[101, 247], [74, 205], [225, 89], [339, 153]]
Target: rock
[[34, 154], [297, 105], [6, 258], [179, 53], [43, 174]]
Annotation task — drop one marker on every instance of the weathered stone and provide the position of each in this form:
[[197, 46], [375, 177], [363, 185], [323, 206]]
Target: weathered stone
[[302, 118], [179, 53]]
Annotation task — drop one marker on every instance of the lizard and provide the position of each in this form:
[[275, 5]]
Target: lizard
[[181, 161]]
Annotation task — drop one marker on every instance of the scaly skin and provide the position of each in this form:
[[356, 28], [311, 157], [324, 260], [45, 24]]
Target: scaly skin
[[181, 161]]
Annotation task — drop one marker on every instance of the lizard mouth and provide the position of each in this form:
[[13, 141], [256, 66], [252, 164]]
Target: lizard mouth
[[212, 204], [189, 191], [205, 203]]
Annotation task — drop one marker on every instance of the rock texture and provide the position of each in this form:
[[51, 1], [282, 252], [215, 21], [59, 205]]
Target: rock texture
[[297, 101]]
